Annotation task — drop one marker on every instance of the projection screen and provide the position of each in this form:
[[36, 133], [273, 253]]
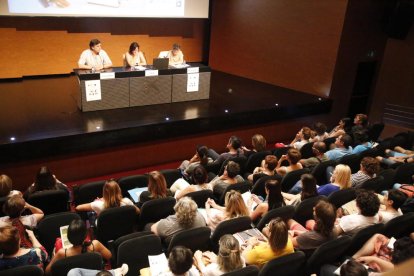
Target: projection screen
[[106, 8]]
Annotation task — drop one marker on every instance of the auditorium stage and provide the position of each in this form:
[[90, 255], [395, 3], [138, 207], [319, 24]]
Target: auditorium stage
[[39, 117]]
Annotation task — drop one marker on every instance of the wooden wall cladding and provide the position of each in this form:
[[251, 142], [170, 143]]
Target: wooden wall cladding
[[43, 46], [288, 43]]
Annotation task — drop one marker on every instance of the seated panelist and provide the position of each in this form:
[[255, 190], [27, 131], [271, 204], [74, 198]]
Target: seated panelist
[[94, 58], [175, 55], [134, 56]]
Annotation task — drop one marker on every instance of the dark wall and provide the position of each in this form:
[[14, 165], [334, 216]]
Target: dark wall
[[287, 43]]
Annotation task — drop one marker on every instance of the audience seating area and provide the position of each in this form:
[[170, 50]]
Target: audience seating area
[[124, 232]]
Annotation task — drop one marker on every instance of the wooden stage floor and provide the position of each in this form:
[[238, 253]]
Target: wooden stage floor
[[39, 116]]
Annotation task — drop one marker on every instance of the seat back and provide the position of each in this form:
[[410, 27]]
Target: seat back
[[404, 173], [115, 222], [113, 246], [291, 178], [375, 131], [131, 182], [352, 160], [51, 201], [306, 150], [2, 200], [360, 237], [284, 212], [241, 160], [250, 270], [375, 184], [171, 175], [134, 252], [278, 152], [319, 172], [195, 239], [400, 226], [304, 211], [287, 265], [327, 253], [342, 197], [230, 226], [259, 185], [88, 192], [156, 209], [48, 228], [27, 270], [90, 260], [373, 152], [200, 197], [388, 176], [255, 160], [240, 187]]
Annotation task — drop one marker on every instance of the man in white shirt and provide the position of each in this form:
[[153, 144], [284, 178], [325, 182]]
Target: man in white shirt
[[94, 58]]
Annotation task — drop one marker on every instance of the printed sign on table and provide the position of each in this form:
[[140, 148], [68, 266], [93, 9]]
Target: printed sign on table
[[93, 90]]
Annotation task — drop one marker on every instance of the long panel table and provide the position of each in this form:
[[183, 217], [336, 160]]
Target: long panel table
[[121, 87]]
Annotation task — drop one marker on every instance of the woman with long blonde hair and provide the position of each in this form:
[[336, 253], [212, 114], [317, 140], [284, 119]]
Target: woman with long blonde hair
[[111, 197], [228, 258], [340, 179], [234, 207]]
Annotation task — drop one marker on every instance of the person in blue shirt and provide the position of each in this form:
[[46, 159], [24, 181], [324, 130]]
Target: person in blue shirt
[[343, 147]]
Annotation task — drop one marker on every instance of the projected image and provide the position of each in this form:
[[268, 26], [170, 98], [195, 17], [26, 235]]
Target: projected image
[[114, 8]]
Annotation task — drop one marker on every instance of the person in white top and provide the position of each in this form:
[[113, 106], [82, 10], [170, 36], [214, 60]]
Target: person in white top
[[175, 55], [392, 200], [134, 56], [228, 259], [112, 197], [94, 58], [368, 205]]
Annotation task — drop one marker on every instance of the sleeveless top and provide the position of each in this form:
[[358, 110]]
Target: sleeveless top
[[84, 250]]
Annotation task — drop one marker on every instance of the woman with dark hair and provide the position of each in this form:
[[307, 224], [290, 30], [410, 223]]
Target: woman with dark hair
[[228, 258], [279, 244], [234, 146], [274, 199], [134, 56], [157, 188], [200, 180], [324, 214], [344, 126], [13, 255], [45, 181], [77, 233], [308, 190], [111, 197], [200, 158]]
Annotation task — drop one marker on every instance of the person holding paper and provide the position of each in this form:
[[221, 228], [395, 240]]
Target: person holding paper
[[279, 244], [134, 56], [175, 55], [228, 258], [94, 58], [77, 233]]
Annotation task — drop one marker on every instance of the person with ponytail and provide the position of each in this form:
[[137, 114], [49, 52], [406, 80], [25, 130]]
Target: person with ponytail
[[200, 180], [111, 197], [77, 236], [228, 258], [279, 244]]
